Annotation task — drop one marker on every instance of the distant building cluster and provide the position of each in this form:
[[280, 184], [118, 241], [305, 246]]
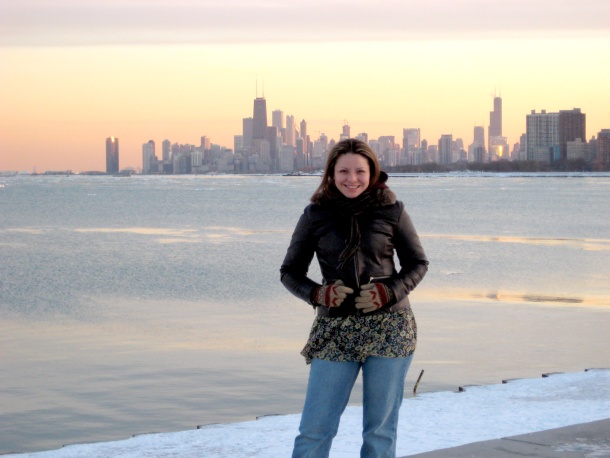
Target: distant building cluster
[[285, 146]]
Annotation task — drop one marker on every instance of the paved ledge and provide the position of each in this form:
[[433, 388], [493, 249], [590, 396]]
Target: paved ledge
[[586, 440]]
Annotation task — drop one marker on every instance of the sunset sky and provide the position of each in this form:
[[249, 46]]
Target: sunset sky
[[73, 72]]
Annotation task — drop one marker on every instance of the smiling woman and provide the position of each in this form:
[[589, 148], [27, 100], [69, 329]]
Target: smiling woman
[[364, 322]]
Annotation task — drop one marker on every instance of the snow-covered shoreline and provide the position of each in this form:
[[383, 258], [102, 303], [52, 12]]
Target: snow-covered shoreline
[[429, 421]]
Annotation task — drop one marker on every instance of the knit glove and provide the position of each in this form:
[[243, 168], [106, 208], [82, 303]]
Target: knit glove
[[331, 295], [373, 296]]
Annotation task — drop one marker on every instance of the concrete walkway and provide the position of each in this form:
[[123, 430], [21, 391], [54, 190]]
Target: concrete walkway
[[586, 440]]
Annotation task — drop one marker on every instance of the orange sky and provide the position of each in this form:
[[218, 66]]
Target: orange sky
[[72, 74]]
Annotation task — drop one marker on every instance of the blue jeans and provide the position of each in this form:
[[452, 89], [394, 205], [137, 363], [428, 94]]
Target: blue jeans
[[328, 391]]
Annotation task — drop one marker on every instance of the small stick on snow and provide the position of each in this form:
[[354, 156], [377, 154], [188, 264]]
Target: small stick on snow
[[418, 379]]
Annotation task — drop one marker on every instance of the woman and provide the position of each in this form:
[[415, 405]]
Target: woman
[[354, 225]]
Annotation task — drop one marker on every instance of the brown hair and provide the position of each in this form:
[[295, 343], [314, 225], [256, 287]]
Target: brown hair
[[327, 188]]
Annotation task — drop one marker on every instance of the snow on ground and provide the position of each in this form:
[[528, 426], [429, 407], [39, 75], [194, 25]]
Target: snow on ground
[[428, 422]]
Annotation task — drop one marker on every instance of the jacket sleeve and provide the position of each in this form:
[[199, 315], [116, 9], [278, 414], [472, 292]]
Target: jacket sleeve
[[293, 272], [413, 260]]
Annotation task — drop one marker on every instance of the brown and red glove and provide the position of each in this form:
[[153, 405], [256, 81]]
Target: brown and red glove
[[373, 296], [331, 295]]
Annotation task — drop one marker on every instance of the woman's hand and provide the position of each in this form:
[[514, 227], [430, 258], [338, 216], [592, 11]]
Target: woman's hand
[[331, 295], [373, 296]]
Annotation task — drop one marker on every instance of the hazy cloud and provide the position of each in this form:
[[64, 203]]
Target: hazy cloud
[[70, 22]]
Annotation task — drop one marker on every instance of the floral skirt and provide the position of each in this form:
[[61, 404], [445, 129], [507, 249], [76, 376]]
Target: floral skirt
[[354, 338]]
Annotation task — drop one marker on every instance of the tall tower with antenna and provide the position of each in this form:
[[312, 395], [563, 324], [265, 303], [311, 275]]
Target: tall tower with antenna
[[495, 117], [494, 131], [259, 118]]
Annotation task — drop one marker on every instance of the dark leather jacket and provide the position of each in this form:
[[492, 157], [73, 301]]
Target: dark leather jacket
[[384, 229]]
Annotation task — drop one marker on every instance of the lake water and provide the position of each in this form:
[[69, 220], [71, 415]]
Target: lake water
[[132, 305]]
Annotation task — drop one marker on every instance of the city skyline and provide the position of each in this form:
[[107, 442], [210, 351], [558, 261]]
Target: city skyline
[[550, 138], [257, 125], [72, 75]]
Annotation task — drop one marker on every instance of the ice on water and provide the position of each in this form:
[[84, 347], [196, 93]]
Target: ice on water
[[428, 422]]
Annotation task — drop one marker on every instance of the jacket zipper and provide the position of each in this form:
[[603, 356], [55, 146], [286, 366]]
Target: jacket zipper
[[374, 279]]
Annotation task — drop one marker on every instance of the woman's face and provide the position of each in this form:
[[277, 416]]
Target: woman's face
[[352, 174]]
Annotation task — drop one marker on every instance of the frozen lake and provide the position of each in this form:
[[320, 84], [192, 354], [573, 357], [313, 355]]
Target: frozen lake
[[131, 305]]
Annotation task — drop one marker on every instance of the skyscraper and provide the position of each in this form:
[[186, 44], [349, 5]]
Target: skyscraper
[[166, 148], [476, 151], [300, 156], [248, 132], [410, 138], [522, 147], [259, 127], [424, 151], [346, 131], [320, 147], [238, 143], [479, 136], [305, 137], [149, 158], [274, 139], [542, 132], [410, 146], [603, 147], [445, 149], [290, 131], [386, 146], [495, 119], [572, 126], [363, 136], [277, 119], [112, 155], [494, 131]]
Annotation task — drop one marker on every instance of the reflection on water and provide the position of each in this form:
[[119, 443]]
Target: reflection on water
[[160, 231], [136, 230], [25, 230], [174, 235], [244, 231], [585, 244], [511, 297], [563, 300]]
